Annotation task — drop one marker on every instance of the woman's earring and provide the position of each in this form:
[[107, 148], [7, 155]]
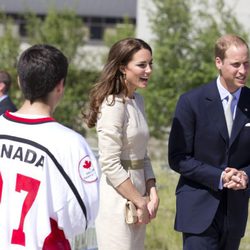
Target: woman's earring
[[124, 76], [117, 86]]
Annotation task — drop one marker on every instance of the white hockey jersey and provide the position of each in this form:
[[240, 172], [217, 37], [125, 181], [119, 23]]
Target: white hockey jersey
[[49, 184]]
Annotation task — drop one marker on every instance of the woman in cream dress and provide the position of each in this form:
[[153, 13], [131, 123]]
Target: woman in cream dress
[[117, 111]]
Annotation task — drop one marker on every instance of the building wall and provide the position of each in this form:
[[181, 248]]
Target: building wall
[[97, 15], [242, 9], [143, 30]]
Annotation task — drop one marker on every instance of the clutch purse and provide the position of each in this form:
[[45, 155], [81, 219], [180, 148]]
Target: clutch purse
[[130, 213]]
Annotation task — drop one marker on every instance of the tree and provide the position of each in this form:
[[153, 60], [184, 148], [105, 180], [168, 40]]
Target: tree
[[121, 30], [183, 52], [66, 31], [9, 44], [9, 51]]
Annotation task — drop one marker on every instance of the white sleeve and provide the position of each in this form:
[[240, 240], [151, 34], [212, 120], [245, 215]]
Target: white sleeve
[[83, 170]]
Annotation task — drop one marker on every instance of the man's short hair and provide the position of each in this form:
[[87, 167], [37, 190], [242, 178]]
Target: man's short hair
[[40, 68], [225, 41]]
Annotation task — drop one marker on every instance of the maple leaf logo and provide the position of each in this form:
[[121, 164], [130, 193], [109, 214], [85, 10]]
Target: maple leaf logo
[[87, 164]]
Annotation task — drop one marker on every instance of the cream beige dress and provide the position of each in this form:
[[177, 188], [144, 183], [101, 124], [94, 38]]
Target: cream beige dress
[[122, 136]]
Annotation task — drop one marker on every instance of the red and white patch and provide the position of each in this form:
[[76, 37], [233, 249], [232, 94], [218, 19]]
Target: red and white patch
[[86, 170]]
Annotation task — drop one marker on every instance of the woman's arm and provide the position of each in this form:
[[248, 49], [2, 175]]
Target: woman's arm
[[154, 200], [128, 190]]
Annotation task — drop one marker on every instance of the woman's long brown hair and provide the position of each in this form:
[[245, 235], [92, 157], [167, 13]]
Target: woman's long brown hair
[[111, 81]]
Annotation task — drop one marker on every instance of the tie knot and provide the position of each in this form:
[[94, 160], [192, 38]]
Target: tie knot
[[230, 97]]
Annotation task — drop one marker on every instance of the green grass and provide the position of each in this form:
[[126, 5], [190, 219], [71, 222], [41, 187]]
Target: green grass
[[160, 234]]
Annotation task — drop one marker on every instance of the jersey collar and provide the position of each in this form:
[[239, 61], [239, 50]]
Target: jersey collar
[[19, 119]]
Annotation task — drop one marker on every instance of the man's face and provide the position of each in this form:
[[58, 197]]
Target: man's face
[[234, 69]]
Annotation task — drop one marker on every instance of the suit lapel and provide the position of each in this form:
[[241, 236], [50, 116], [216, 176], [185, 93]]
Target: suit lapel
[[242, 113], [215, 109]]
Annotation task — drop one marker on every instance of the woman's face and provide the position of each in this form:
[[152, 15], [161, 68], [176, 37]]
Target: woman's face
[[138, 70]]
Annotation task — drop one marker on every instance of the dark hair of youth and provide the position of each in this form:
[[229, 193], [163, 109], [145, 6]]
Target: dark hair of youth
[[6, 79], [40, 68], [111, 81]]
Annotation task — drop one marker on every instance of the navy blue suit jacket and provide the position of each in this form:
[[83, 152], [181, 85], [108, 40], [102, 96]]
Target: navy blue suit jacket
[[7, 104], [200, 149]]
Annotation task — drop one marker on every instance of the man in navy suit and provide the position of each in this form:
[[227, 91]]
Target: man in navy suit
[[5, 101], [214, 161]]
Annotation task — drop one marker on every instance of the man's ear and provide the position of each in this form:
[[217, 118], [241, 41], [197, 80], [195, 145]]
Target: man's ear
[[2, 86], [60, 86], [218, 63], [18, 82]]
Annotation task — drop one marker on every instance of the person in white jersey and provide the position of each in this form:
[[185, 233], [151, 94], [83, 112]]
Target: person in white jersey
[[49, 177]]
